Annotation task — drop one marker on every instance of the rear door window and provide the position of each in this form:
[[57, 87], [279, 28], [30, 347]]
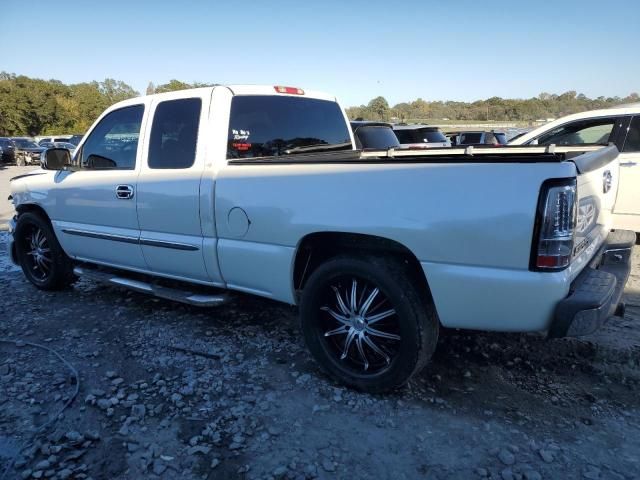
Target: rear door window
[[594, 131], [270, 125], [632, 143], [174, 134]]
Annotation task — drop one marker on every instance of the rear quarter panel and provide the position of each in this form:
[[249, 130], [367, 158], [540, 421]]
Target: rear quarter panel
[[470, 225]]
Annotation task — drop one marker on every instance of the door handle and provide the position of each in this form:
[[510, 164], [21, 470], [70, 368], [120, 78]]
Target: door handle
[[628, 164], [124, 192]]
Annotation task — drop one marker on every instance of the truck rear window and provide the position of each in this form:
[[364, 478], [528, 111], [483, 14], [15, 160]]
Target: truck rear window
[[270, 125]]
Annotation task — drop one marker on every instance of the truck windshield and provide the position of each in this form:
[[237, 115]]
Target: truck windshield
[[272, 125]]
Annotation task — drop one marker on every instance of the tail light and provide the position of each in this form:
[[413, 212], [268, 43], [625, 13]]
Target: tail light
[[555, 226]]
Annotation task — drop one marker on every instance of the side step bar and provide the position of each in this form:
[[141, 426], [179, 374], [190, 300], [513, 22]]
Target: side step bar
[[183, 296]]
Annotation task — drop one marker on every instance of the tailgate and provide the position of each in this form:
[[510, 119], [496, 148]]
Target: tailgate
[[597, 188]]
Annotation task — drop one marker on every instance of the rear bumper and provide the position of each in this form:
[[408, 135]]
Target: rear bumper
[[596, 293]]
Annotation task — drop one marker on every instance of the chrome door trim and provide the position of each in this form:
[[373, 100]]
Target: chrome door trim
[[164, 244], [128, 239], [101, 236]]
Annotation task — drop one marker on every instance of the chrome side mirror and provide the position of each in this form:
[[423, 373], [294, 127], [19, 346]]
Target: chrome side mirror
[[55, 159]]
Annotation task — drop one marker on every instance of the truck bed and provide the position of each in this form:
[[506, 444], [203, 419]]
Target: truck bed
[[505, 154]]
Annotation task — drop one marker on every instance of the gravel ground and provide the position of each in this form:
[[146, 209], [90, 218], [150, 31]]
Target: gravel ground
[[171, 391]]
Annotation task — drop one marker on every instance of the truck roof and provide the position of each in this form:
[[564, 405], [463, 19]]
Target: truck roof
[[235, 89]]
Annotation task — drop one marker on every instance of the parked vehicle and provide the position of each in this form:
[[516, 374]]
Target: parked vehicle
[[57, 138], [259, 189], [75, 139], [617, 125], [478, 138], [8, 150], [375, 135], [27, 151], [420, 136]]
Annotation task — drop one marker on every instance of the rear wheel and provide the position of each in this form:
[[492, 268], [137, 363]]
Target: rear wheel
[[366, 323], [41, 257]]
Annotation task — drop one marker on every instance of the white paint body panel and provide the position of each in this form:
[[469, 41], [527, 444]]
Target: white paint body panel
[[470, 225]]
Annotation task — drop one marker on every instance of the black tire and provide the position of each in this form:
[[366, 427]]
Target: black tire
[[413, 320], [49, 268]]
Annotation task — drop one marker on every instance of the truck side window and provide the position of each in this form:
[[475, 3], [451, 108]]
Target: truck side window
[[174, 134], [592, 131], [632, 143], [113, 143], [271, 125]]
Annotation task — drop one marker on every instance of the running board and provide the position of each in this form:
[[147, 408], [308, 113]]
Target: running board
[[183, 296]]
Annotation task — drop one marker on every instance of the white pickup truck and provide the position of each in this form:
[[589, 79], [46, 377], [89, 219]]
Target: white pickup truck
[[259, 189]]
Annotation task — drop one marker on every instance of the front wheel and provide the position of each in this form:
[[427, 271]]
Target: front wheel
[[41, 257], [366, 322]]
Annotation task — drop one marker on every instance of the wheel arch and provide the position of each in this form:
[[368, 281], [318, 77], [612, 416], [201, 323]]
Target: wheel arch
[[318, 247], [33, 208]]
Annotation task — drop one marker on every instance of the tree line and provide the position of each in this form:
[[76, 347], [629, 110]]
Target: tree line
[[32, 106], [542, 107]]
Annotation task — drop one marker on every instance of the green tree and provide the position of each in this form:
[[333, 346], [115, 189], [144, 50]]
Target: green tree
[[172, 86]]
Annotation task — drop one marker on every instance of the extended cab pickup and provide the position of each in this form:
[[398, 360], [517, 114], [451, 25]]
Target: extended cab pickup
[[190, 194]]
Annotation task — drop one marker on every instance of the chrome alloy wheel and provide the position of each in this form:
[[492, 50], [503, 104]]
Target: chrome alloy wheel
[[38, 253], [361, 328]]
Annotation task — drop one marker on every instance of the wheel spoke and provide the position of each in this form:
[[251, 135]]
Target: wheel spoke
[[354, 301], [367, 303], [44, 267], [381, 334], [376, 349], [341, 303], [337, 331], [347, 343], [380, 316], [361, 350], [341, 318]]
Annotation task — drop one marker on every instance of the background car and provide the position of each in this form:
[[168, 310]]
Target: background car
[[420, 136], [8, 150], [75, 139], [478, 138], [57, 138], [27, 151], [374, 135], [617, 125]]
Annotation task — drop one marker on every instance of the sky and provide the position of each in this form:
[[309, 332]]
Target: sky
[[457, 50]]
